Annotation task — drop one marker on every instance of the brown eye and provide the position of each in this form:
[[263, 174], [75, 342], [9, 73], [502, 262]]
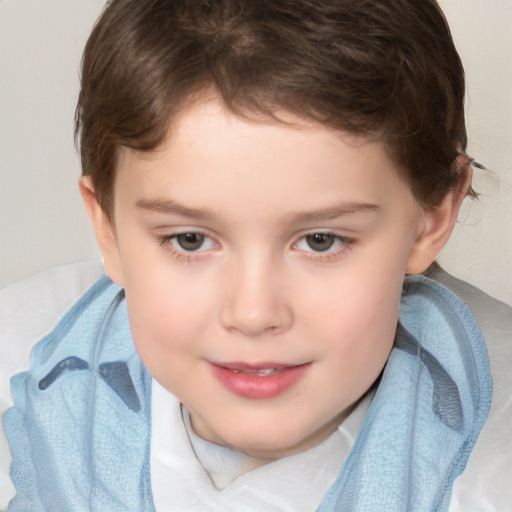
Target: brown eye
[[320, 242], [190, 241]]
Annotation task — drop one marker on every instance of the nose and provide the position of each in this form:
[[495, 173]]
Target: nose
[[256, 302]]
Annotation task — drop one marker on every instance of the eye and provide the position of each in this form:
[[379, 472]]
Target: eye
[[321, 242], [188, 242]]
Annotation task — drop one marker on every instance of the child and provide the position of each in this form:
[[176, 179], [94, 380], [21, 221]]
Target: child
[[261, 176]]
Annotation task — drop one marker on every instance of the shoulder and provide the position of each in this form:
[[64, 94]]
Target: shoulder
[[29, 310], [489, 313], [485, 483]]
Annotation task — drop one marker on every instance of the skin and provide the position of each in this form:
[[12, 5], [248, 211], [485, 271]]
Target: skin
[[258, 290]]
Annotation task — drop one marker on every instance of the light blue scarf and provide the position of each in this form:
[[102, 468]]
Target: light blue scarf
[[428, 411], [80, 428]]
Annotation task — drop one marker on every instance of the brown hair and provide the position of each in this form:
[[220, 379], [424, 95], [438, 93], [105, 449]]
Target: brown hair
[[379, 68]]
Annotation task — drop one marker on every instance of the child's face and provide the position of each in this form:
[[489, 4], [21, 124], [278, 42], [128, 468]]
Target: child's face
[[263, 267]]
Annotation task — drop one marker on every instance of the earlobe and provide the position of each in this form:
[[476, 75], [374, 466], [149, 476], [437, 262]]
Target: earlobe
[[103, 230], [437, 225]]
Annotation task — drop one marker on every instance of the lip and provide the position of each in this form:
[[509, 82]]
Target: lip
[[242, 378]]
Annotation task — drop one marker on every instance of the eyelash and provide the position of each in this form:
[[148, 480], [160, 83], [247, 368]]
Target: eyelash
[[182, 255], [329, 254], [166, 241]]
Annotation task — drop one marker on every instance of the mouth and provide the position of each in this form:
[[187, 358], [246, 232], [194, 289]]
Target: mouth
[[261, 381], [265, 372]]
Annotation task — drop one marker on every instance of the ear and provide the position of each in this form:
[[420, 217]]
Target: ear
[[438, 224], [103, 230]]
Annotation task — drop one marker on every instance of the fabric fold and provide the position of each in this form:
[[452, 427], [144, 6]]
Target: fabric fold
[[82, 441]]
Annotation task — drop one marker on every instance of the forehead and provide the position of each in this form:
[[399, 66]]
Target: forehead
[[211, 154]]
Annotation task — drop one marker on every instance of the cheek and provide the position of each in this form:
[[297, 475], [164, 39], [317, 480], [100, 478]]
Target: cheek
[[358, 321], [357, 301], [166, 322]]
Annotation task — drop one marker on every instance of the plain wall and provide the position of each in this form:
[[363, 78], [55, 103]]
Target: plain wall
[[42, 222]]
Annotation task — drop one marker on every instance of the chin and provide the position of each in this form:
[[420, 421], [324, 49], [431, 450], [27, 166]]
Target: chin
[[267, 442]]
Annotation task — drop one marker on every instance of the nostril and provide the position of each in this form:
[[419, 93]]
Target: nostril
[[254, 323], [254, 302]]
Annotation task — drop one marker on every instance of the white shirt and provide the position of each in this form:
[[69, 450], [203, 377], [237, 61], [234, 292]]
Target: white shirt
[[189, 474], [31, 308]]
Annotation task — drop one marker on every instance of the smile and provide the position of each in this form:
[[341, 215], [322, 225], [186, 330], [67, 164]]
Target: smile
[[258, 382], [262, 373]]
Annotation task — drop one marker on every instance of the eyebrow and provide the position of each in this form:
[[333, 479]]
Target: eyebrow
[[335, 211], [170, 207]]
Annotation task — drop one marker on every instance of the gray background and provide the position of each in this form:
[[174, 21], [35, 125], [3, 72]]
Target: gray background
[[42, 222]]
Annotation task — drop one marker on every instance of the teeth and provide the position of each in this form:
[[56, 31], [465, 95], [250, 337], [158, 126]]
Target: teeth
[[267, 371], [261, 373]]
